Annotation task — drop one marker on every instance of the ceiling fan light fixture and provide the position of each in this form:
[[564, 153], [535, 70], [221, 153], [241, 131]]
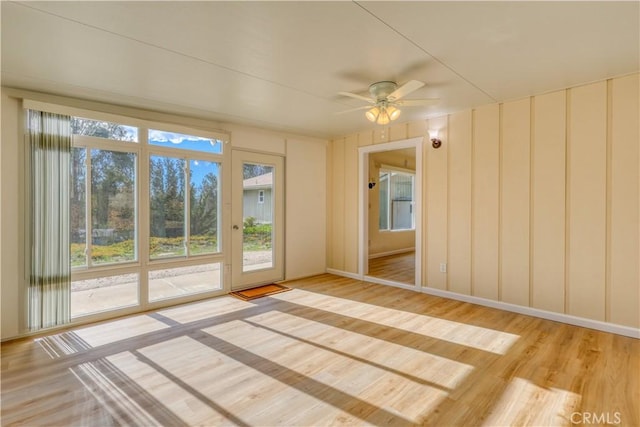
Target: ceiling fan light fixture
[[385, 95], [393, 112], [383, 118], [372, 114]]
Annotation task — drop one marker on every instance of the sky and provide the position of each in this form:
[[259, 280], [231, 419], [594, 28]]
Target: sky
[[199, 168]]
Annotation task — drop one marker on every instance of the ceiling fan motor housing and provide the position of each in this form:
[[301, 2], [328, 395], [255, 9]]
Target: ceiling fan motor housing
[[381, 90]]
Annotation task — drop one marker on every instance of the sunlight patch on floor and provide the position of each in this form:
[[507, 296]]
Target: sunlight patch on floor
[[183, 403], [111, 396], [205, 310], [485, 339], [415, 365], [551, 406], [224, 380], [384, 389], [119, 330]]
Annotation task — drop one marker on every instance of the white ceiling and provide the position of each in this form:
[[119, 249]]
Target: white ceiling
[[279, 65]]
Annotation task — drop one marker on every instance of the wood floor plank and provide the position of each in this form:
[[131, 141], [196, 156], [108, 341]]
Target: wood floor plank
[[333, 351]]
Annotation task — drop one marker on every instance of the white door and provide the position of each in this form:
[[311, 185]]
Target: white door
[[257, 211]]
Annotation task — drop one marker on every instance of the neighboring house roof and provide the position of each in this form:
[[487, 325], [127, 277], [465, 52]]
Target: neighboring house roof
[[258, 182]]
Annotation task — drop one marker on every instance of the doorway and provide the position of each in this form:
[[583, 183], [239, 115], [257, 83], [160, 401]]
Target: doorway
[[257, 235], [390, 212]]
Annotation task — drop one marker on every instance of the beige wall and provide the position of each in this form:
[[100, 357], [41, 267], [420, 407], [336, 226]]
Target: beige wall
[[11, 264], [305, 187], [533, 202]]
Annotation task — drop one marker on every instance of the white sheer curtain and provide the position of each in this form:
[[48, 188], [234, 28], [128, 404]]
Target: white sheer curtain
[[49, 292]]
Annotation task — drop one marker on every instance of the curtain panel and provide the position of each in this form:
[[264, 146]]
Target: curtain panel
[[49, 289]]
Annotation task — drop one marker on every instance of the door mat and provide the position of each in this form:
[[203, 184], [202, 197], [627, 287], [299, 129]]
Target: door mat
[[259, 292]]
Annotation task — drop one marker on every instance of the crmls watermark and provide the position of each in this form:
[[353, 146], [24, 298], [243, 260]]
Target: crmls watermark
[[585, 418]]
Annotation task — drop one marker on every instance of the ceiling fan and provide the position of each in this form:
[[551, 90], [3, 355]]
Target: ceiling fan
[[386, 98]]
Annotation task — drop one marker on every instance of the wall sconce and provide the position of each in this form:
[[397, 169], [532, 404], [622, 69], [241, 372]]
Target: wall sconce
[[435, 141]]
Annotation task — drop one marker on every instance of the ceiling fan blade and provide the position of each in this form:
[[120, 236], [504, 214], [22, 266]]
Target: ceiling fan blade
[[356, 96], [405, 90], [417, 102], [366, 107]]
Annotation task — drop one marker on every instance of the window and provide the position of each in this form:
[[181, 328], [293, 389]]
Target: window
[[167, 207], [396, 200], [186, 142], [261, 196], [103, 231], [184, 214], [99, 129], [184, 200], [180, 200]]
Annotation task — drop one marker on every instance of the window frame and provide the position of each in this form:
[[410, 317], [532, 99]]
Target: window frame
[[189, 156], [89, 143], [390, 170], [142, 265]]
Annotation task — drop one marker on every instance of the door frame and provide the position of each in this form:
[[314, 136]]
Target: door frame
[[363, 211], [238, 278]]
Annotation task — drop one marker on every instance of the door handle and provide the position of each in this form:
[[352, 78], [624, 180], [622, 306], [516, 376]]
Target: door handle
[[235, 227]]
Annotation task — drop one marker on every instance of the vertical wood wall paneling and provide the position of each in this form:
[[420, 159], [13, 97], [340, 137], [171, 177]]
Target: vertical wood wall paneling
[[459, 221], [485, 210], [330, 202], [365, 138], [398, 132], [514, 202], [351, 220], [338, 191], [587, 201], [624, 251], [548, 201], [381, 134], [416, 129], [574, 227], [435, 205]]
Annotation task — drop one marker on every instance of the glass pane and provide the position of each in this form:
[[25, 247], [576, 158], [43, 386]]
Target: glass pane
[[187, 142], [113, 207], [88, 127], [402, 213], [257, 214], [384, 201], [167, 195], [105, 293], [203, 216], [402, 201], [78, 207], [174, 282]]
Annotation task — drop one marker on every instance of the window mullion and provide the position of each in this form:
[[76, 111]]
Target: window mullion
[[143, 217], [88, 225], [187, 208]]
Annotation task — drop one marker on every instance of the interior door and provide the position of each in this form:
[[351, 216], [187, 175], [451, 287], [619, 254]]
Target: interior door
[[257, 210]]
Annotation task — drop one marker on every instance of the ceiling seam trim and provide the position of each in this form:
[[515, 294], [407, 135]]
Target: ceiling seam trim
[[199, 113], [175, 52], [426, 52]]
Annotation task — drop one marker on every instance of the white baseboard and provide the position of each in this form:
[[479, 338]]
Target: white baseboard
[[389, 253], [536, 312], [395, 284], [613, 328], [355, 276]]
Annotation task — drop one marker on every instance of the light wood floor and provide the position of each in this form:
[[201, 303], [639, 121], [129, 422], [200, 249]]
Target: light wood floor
[[332, 351], [399, 267]]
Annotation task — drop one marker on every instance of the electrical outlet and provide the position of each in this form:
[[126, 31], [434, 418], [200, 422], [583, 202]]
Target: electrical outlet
[[443, 267]]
